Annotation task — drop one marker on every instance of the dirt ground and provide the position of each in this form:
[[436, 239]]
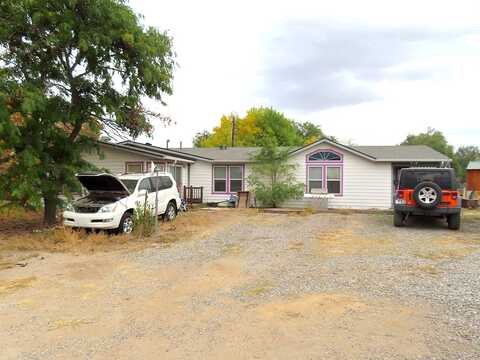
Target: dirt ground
[[230, 284]]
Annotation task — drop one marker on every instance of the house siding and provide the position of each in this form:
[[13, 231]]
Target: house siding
[[366, 184], [201, 175], [114, 160]]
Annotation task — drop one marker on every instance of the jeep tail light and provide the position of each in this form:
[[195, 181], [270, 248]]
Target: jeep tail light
[[399, 194]]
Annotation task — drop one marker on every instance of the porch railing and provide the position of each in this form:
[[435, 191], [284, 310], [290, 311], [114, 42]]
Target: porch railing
[[193, 194]]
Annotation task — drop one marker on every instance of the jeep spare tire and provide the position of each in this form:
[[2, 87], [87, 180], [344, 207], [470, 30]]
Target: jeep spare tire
[[427, 195]]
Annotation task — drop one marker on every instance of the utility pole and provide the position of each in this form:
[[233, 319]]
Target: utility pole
[[234, 128]]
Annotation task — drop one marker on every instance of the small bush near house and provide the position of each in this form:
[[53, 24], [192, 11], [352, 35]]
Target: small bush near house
[[272, 179], [144, 221]]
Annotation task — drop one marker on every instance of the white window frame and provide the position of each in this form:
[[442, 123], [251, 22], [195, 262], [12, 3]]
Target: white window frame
[[225, 179], [128, 163], [230, 177], [339, 179], [315, 179]]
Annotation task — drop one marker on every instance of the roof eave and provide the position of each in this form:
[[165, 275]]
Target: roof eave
[[333, 143], [130, 150], [414, 160], [165, 151]]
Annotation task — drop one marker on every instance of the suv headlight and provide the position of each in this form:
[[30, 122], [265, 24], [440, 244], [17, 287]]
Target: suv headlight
[[69, 207], [108, 208]]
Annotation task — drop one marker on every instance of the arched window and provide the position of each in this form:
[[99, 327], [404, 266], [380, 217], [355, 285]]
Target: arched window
[[324, 155], [325, 172]]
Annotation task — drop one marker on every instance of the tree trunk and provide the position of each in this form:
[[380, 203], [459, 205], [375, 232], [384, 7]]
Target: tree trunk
[[50, 209]]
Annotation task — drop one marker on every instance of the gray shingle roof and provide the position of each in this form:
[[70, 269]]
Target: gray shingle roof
[[380, 153], [402, 152], [474, 165], [217, 154]]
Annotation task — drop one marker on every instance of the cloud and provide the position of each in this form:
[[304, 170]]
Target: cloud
[[311, 66]]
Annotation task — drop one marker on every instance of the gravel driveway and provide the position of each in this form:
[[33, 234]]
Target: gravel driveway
[[262, 286]]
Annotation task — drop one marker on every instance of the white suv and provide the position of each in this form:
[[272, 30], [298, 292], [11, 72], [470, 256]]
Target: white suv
[[111, 200]]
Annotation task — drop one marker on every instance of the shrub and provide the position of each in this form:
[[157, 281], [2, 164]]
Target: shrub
[[144, 220], [272, 179]]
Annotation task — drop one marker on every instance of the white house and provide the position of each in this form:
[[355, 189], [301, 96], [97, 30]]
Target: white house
[[357, 177]]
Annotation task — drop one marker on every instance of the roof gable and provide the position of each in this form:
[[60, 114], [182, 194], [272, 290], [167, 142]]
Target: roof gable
[[335, 144]]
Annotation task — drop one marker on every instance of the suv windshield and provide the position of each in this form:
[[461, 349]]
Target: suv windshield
[[409, 179], [130, 184]]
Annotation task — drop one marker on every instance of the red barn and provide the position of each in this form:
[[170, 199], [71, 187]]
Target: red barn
[[473, 176]]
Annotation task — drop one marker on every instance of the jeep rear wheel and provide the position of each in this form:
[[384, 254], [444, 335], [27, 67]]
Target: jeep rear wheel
[[427, 195], [398, 219], [454, 221]]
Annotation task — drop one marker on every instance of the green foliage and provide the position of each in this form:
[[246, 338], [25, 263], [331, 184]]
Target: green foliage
[[144, 221], [272, 178], [433, 138], [201, 138], [71, 70], [436, 140], [463, 156], [260, 126]]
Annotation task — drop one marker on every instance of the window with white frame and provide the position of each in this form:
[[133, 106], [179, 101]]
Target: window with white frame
[[235, 178], [134, 167], [220, 179], [227, 178], [334, 180], [315, 179]]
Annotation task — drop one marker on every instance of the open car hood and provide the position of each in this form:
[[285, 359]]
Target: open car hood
[[101, 182]]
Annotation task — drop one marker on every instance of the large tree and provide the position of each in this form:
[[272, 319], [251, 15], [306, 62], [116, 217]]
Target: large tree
[[260, 126], [463, 156], [69, 70], [433, 138]]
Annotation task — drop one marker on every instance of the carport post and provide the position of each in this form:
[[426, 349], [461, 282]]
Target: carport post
[[157, 179]]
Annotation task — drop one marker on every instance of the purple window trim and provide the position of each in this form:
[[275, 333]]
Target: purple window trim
[[227, 187], [324, 161], [324, 167]]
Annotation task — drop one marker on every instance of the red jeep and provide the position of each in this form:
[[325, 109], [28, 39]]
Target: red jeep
[[427, 192]]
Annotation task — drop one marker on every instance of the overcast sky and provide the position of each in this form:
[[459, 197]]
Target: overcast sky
[[368, 72]]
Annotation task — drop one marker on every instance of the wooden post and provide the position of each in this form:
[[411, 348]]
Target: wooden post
[[142, 228], [157, 180]]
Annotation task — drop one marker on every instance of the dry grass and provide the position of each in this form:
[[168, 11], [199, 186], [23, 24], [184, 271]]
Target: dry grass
[[61, 240], [195, 224], [199, 224], [445, 254], [448, 248], [74, 323], [347, 243], [7, 287], [471, 214], [258, 289]]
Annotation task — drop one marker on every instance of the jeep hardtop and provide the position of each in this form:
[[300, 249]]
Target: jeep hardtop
[[427, 192]]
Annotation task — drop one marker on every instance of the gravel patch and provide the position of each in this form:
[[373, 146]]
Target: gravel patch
[[318, 286]]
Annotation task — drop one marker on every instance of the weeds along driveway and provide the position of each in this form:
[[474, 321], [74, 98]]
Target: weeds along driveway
[[243, 285]]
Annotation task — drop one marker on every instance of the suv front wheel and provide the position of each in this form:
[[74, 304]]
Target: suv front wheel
[[126, 224]]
